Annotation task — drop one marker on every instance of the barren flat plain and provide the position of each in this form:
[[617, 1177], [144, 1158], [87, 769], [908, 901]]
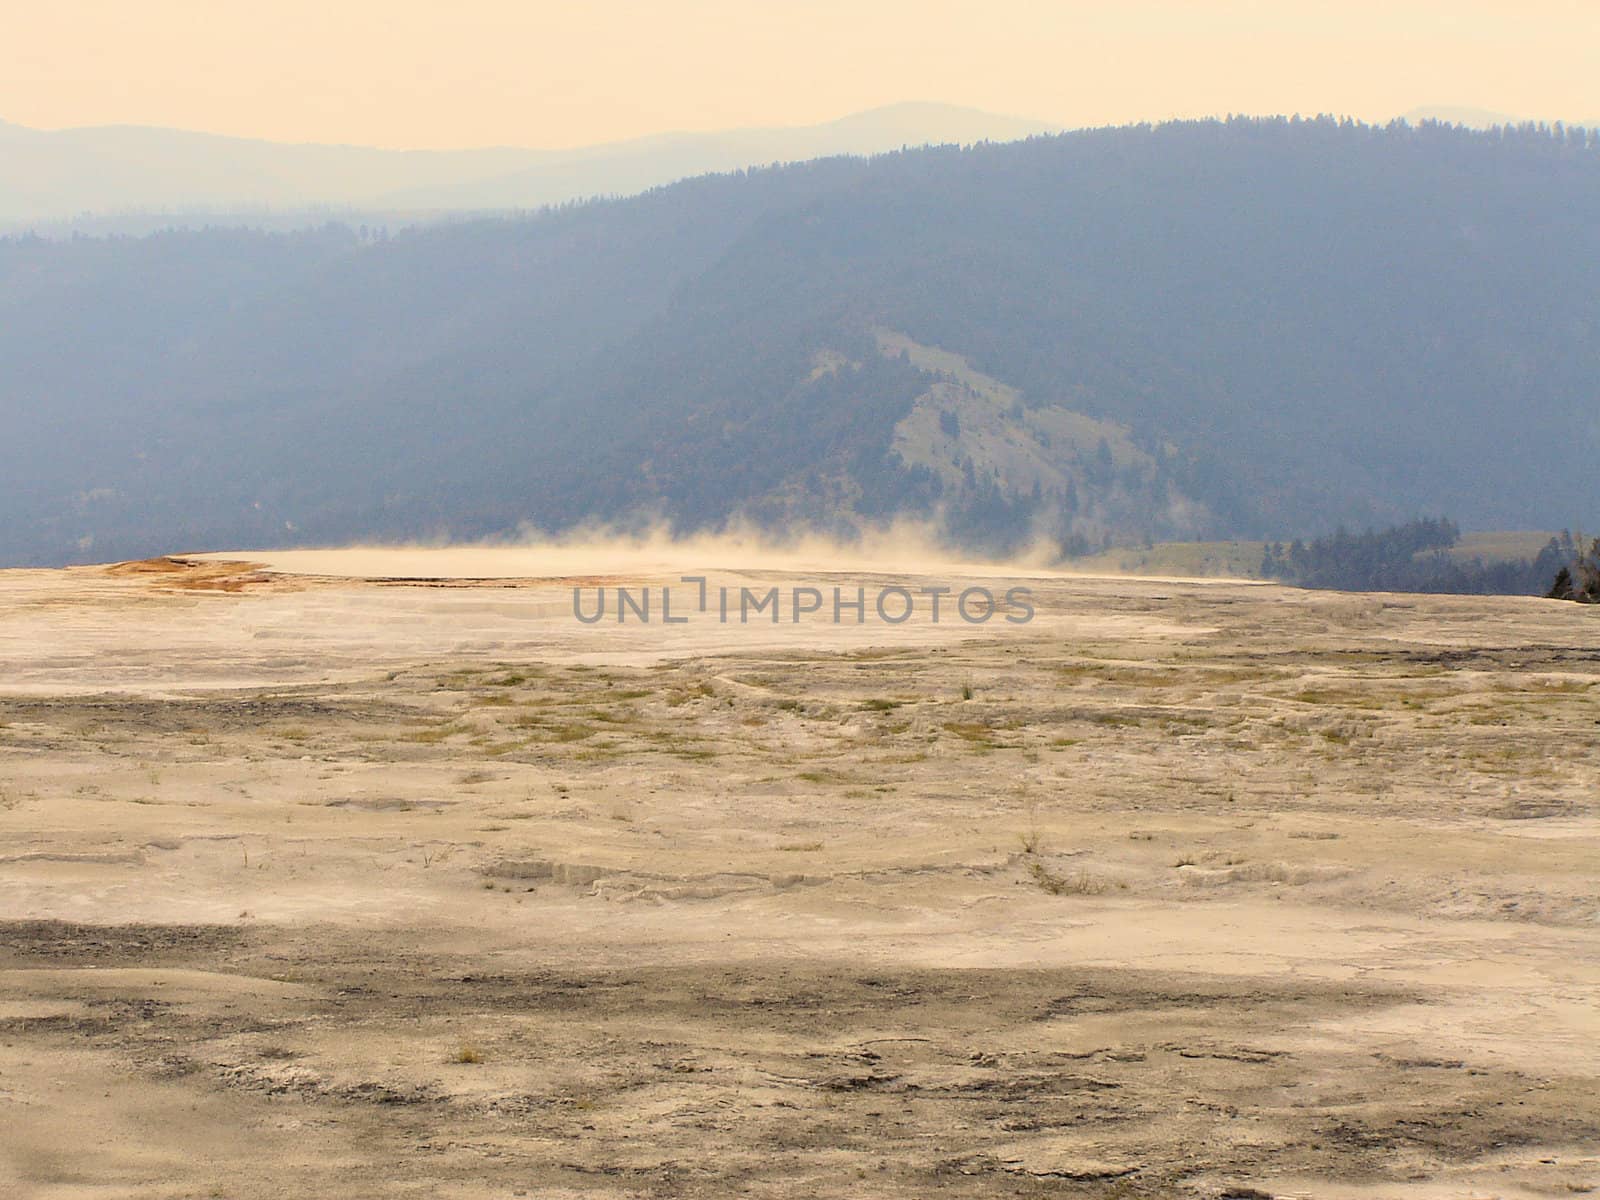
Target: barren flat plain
[[353, 875]]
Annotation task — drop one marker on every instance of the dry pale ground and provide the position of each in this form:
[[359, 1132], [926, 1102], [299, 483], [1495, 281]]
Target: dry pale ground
[[314, 886]]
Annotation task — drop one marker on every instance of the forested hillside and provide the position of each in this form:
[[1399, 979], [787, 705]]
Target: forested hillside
[[1251, 328]]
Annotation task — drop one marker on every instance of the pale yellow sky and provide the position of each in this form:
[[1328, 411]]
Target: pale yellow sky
[[486, 72]]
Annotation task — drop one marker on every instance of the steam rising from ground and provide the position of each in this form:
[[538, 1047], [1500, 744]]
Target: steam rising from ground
[[905, 547]]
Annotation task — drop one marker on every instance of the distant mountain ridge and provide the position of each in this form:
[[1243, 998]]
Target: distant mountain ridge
[[55, 176]]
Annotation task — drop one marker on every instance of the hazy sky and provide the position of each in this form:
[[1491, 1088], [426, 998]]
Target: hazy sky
[[525, 72]]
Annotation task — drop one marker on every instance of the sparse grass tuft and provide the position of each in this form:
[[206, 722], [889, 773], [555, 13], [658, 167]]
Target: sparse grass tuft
[[973, 732], [431, 735], [574, 732], [1115, 720], [1079, 883]]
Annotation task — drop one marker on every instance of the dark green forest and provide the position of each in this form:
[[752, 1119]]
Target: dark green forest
[[1250, 328], [1415, 557], [1578, 578]]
